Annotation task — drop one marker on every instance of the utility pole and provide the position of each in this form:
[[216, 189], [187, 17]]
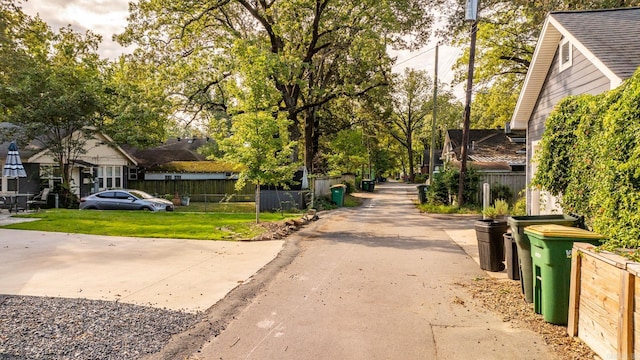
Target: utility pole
[[471, 15], [432, 153]]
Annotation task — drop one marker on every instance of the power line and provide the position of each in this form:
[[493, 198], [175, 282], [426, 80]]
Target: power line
[[414, 56]]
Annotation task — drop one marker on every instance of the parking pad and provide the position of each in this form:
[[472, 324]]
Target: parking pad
[[188, 275]]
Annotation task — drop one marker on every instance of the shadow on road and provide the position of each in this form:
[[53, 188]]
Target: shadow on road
[[397, 241]]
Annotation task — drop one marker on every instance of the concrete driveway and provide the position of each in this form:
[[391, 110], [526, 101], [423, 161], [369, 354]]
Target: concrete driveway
[[188, 275]]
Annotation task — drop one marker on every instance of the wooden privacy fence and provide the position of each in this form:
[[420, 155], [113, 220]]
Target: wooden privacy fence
[[196, 189], [225, 189], [515, 181], [271, 200], [322, 185]]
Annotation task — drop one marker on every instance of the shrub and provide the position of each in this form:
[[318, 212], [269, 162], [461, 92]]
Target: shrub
[[351, 186], [500, 191], [520, 206], [437, 192], [444, 187], [590, 154], [420, 178]]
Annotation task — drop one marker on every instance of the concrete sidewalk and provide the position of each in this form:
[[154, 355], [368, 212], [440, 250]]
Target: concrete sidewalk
[[467, 240]]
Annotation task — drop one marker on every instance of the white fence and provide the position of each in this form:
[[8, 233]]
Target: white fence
[[515, 181]]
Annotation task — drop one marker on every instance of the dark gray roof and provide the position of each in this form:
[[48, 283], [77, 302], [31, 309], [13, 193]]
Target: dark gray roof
[[612, 35], [491, 145], [172, 150]]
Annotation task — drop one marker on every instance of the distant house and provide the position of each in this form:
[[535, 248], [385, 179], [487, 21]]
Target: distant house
[[498, 155], [178, 166], [102, 165], [489, 150], [179, 159], [578, 52], [426, 159]]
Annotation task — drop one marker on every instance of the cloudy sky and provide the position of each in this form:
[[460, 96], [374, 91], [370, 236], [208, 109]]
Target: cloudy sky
[[108, 17], [104, 17]]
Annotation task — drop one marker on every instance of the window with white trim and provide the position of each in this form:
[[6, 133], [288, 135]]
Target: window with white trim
[[109, 177], [133, 173], [51, 174], [565, 56]]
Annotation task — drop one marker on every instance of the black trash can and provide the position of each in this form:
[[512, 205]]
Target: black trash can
[[490, 236], [368, 185], [511, 257], [422, 193]]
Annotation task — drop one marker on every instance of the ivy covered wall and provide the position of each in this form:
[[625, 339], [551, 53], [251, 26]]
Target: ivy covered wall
[[590, 155]]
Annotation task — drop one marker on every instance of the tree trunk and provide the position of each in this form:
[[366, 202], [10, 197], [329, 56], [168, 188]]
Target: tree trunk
[[294, 135], [308, 139], [315, 146], [411, 168], [467, 116], [257, 203]]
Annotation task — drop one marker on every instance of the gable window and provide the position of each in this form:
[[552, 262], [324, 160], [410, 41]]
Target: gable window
[[565, 56]]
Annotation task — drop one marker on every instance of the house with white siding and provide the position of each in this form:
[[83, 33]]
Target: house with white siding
[[101, 165], [578, 52]]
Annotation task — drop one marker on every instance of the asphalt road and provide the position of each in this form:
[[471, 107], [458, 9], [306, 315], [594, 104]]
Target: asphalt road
[[377, 282]]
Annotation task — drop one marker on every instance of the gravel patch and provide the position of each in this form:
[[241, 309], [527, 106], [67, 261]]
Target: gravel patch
[[46, 328]]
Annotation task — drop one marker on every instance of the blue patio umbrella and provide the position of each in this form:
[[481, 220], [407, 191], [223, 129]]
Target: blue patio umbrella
[[13, 165]]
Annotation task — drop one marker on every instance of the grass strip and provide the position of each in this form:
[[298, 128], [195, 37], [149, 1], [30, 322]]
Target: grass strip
[[179, 225]]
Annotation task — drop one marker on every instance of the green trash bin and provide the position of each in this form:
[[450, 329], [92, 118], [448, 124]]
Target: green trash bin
[[337, 194], [368, 185], [517, 224], [422, 193], [551, 252], [364, 185]]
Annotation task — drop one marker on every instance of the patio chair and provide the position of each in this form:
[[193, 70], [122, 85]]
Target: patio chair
[[5, 203], [39, 200]]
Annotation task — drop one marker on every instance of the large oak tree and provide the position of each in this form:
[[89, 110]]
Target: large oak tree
[[326, 50]]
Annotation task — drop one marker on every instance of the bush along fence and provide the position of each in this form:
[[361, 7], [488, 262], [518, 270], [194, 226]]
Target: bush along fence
[[590, 155]]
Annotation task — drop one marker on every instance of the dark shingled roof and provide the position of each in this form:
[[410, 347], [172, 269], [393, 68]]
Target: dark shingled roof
[[172, 150], [611, 35], [491, 146]]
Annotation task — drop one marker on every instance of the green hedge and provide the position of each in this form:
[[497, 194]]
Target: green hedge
[[590, 154], [445, 186]]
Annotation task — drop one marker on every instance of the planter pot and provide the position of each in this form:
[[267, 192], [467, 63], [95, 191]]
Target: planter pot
[[490, 236], [604, 302], [185, 200]]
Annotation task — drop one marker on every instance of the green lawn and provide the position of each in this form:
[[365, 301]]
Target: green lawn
[[225, 207], [182, 225]]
